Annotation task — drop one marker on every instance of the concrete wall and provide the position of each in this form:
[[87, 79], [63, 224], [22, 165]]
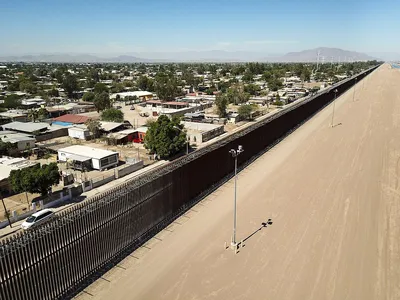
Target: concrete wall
[[52, 135], [129, 168], [96, 182]]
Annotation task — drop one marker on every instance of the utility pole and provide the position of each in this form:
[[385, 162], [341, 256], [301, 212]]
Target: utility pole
[[235, 154], [5, 210]]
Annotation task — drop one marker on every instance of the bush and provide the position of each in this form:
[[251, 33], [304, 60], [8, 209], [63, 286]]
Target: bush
[[278, 103]]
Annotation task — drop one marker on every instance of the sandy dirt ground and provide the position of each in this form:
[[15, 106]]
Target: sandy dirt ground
[[333, 197]]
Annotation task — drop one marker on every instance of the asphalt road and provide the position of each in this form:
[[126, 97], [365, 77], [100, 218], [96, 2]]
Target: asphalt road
[[333, 197]]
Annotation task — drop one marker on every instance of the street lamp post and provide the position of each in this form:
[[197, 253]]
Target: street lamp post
[[5, 210], [333, 110], [354, 90], [235, 154]]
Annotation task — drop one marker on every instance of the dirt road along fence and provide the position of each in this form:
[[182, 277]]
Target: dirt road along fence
[[58, 259]]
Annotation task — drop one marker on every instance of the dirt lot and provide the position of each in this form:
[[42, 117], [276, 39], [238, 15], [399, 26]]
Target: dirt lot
[[333, 197]]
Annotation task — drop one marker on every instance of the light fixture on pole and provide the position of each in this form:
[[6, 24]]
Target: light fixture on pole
[[333, 110], [235, 154], [354, 90]]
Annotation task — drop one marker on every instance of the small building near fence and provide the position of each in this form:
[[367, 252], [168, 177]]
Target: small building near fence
[[87, 157], [202, 132]]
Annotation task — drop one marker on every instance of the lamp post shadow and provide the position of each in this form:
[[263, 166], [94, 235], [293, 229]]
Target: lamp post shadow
[[263, 225]]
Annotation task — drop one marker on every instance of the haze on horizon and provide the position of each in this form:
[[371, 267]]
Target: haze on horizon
[[270, 27]]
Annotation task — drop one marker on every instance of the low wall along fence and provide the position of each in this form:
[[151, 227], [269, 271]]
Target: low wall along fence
[[58, 259]]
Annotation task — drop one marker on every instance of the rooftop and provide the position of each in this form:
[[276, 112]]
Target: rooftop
[[26, 127], [109, 126], [176, 103], [85, 151], [75, 119], [131, 94], [7, 164], [202, 127]]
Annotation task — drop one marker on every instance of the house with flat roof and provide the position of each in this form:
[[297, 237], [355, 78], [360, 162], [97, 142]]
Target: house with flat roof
[[33, 102], [87, 157], [14, 115], [21, 141], [29, 127], [7, 164], [202, 132]]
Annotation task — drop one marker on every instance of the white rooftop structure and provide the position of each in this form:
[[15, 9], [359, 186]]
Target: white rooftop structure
[[86, 151], [31, 101], [7, 164]]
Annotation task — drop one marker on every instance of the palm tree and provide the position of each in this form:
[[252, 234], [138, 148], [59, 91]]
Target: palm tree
[[33, 115]]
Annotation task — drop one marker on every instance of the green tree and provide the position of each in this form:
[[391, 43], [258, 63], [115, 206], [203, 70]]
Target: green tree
[[275, 84], [236, 95], [13, 86], [33, 114], [53, 93], [252, 89], [245, 111], [166, 87], [6, 148], [59, 75], [100, 88], [88, 97], [165, 137], [102, 101], [221, 101], [35, 179], [247, 77], [12, 101], [145, 84], [305, 75], [70, 85], [94, 127], [42, 114], [112, 115], [94, 75]]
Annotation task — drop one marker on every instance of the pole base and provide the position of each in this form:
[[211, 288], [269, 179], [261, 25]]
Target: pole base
[[233, 245]]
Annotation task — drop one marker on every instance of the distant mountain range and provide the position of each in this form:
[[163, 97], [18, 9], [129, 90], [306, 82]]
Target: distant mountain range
[[325, 54]]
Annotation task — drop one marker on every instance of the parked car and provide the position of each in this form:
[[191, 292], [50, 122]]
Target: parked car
[[38, 218]]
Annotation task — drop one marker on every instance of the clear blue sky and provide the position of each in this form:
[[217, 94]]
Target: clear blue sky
[[270, 26]]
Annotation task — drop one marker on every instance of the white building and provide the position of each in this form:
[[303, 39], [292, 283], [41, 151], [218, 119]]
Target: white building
[[202, 132], [98, 159], [141, 95], [79, 132]]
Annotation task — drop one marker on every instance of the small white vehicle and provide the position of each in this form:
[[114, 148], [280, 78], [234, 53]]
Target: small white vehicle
[[38, 218]]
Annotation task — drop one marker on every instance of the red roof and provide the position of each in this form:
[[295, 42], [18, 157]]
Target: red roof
[[75, 119], [176, 103]]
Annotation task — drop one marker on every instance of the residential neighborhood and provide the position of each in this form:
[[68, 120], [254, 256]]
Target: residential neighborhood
[[92, 120]]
